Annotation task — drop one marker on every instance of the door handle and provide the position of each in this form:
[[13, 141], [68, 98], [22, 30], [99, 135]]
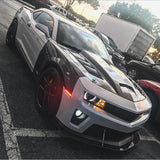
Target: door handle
[[29, 24]]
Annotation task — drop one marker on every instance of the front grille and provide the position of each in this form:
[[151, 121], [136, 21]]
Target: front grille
[[96, 132], [121, 113]]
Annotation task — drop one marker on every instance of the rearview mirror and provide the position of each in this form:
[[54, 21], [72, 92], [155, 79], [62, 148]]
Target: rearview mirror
[[43, 29]]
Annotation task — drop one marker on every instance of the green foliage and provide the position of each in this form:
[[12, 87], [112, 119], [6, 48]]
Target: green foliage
[[138, 15], [84, 20], [134, 13], [157, 44], [93, 3]]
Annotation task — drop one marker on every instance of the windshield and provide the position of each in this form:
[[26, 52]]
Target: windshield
[[148, 60], [105, 39], [77, 38]]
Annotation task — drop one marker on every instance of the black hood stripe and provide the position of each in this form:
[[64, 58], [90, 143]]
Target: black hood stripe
[[98, 67]]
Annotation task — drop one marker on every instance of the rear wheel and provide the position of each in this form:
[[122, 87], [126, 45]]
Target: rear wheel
[[11, 34], [155, 103], [49, 92]]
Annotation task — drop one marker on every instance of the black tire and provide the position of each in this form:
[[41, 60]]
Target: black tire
[[49, 92], [155, 103], [11, 34], [133, 73]]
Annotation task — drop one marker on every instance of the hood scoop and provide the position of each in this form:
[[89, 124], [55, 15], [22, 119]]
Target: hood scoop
[[116, 78]]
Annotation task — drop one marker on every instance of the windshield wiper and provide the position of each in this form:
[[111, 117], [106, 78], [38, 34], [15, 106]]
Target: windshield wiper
[[72, 47]]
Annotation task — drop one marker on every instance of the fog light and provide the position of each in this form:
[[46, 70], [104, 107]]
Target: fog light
[[78, 113], [78, 117]]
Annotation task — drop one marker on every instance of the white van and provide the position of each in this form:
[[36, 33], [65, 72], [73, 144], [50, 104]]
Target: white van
[[59, 10]]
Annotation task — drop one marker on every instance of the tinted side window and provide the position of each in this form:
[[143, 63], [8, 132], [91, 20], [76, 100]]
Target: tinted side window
[[46, 20], [36, 14]]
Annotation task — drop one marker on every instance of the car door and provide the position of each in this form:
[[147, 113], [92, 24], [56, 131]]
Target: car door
[[36, 38]]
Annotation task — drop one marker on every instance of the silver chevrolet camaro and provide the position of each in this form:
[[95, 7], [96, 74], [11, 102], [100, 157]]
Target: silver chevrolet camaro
[[76, 80]]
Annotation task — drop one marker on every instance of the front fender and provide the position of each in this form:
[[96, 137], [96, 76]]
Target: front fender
[[52, 55]]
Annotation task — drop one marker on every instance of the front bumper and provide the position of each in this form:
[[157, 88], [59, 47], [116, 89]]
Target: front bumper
[[100, 127], [105, 138]]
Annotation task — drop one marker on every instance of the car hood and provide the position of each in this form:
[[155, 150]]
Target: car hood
[[111, 77]]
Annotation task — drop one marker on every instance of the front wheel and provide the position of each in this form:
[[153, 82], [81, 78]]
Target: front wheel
[[11, 34], [133, 73], [49, 92]]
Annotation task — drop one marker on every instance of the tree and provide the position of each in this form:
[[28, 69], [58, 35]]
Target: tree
[[82, 18], [93, 3], [157, 44], [140, 16], [136, 14]]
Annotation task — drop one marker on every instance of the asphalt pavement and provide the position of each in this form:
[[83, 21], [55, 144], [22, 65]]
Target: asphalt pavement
[[25, 134]]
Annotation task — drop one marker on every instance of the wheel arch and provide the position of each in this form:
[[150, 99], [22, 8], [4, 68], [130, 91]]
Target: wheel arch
[[55, 65], [156, 98], [153, 92], [52, 56]]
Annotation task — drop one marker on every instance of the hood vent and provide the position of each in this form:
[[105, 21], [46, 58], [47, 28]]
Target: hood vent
[[88, 66]]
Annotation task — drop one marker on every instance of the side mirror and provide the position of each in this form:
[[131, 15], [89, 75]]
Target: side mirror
[[43, 29]]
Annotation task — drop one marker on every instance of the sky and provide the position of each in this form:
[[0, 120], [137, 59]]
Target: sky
[[90, 13]]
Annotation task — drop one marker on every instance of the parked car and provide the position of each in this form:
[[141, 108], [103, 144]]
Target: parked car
[[148, 59], [112, 43], [117, 58], [76, 80], [152, 89], [39, 3], [131, 39], [59, 10], [141, 70]]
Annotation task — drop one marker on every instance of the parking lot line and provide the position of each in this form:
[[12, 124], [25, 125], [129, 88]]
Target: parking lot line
[[25, 132], [11, 4], [150, 137], [11, 133], [14, 4], [11, 143]]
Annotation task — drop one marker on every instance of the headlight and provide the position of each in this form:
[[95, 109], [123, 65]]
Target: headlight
[[94, 100], [90, 98], [101, 104]]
